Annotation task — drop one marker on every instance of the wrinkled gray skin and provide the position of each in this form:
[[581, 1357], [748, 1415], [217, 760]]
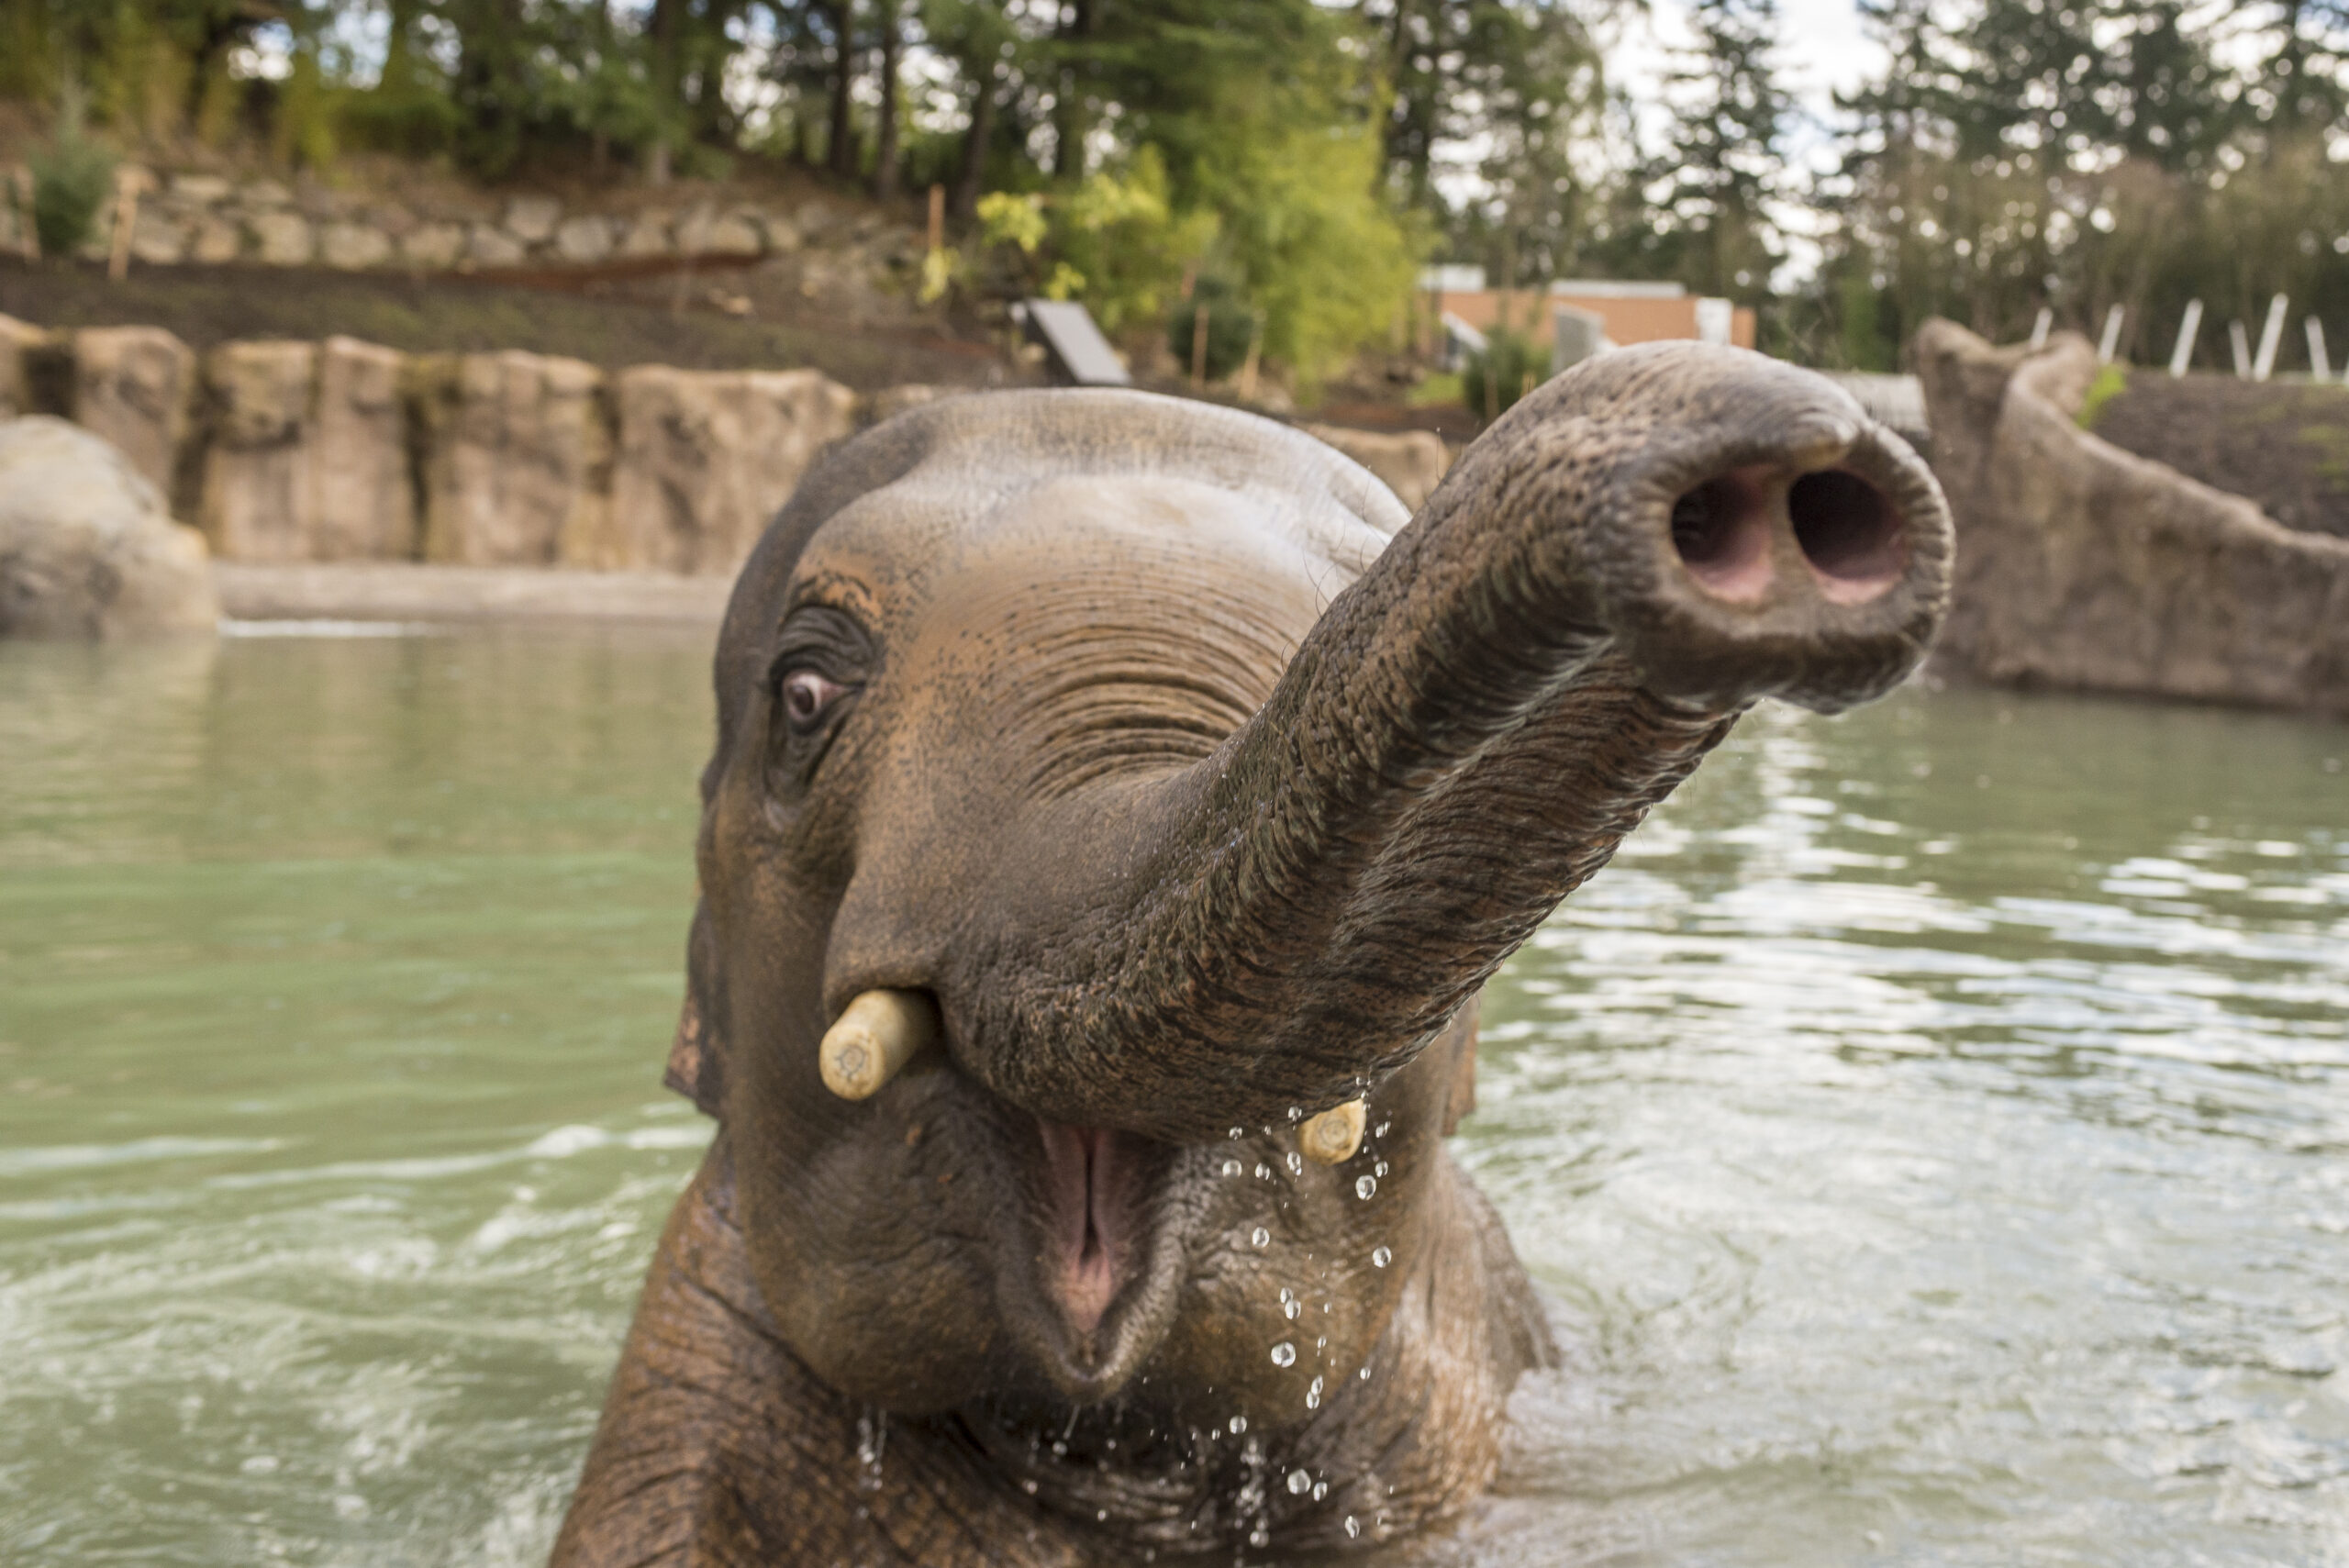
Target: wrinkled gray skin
[[1123, 728]]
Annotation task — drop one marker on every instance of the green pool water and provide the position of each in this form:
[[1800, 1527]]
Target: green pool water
[[1933, 1130]]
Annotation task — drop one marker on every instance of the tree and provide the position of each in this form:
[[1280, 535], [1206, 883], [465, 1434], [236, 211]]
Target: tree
[[1714, 188]]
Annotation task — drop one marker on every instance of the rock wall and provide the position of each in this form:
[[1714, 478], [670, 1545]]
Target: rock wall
[[193, 218], [306, 453], [2080, 565], [342, 450]]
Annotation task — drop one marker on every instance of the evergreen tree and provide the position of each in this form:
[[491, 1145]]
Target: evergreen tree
[[1714, 186]]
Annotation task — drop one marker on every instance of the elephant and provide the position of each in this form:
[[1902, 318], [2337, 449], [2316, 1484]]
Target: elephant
[[1116, 805]]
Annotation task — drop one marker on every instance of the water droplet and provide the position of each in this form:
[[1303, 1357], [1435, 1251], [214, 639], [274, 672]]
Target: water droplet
[[1380, 1131], [1320, 1490], [1029, 1486], [1236, 1132], [1101, 1516], [1312, 1400], [1366, 1185], [1294, 1113], [1060, 1450], [1317, 1386], [1379, 1169], [1296, 1163], [1364, 1372], [1260, 1537], [1381, 1256], [1259, 1237], [1300, 1482], [1238, 1424], [1352, 1528], [1283, 1354], [1264, 1171], [1232, 1167], [1293, 1308], [1287, 1295]]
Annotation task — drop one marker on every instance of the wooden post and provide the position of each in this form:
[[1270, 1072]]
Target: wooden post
[[2039, 327], [2112, 320], [2240, 342], [2319, 363], [21, 178], [128, 182]]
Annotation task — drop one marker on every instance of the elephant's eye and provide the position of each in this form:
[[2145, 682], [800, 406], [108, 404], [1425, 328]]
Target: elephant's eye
[[807, 697]]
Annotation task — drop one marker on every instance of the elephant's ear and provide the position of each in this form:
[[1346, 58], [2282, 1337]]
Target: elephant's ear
[[697, 1056]]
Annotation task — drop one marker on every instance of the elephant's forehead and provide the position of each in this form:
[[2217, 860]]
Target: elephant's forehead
[[962, 558]]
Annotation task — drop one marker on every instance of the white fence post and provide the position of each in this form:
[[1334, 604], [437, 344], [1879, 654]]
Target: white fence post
[[2270, 337], [2183, 354], [2319, 364], [2111, 340]]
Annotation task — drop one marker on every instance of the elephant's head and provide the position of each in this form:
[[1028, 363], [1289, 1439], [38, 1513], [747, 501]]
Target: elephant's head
[[1174, 791]]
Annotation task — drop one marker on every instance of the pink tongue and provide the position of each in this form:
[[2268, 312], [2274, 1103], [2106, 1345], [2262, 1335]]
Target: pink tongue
[[1082, 1269]]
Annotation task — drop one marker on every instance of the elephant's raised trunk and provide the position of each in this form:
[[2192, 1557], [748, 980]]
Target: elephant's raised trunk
[[1635, 554]]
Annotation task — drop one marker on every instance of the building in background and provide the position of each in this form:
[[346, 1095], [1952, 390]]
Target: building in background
[[1573, 317]]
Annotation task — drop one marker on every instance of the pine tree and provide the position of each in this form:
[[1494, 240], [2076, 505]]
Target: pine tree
[[1723, 169]]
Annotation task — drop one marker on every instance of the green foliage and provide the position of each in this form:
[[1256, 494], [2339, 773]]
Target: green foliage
[[71, 177], [1506, 370], [1232, 328], [2111, 381]]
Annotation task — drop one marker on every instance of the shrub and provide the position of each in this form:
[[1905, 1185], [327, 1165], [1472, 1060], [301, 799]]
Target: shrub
[[1507, 368], [1231, 325], [71, 178]]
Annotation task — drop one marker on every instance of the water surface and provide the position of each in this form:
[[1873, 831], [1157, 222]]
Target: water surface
[[1933, 1129]]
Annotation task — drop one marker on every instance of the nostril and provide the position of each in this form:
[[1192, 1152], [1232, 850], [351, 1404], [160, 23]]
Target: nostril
[[1849, 532], [1722, 535]]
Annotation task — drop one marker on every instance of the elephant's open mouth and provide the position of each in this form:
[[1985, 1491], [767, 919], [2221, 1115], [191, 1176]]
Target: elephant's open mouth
[[1092, 1226], [1106, 1264]]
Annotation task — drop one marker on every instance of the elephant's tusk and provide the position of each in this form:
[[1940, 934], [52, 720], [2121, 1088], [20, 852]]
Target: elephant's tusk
[[875, 1036], [1331, 1137]]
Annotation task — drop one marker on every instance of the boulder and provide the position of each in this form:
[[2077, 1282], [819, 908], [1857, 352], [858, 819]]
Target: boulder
[[707, 457], [308, 458], [158, 239], [489, 246], [436, 246], [216, 240], [532, 220], [282, 239], [132, 386], [585, 240], [648, 236], [1409, 463], [2081, 565], [86, 547], [352, 247], [518, 455]]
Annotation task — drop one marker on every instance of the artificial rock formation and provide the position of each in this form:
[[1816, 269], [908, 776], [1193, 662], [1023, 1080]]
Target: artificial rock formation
[[1411, 462], [518, 461], [133, 386], [307, 458], [87, 549], [704, 459], [2081, 565]]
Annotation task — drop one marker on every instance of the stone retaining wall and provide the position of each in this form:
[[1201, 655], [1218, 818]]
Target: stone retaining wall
[[344, 451], [207, 218]]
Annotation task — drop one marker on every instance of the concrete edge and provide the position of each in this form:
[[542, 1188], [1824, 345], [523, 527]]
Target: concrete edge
[[403, 590]]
